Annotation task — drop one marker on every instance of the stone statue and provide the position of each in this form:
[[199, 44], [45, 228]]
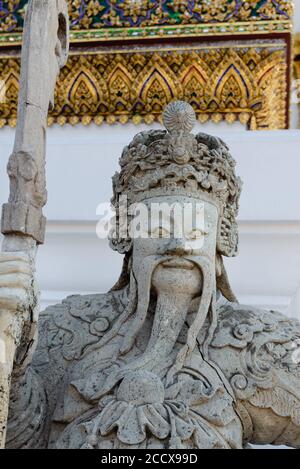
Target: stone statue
[[44, 52], [167, 358]]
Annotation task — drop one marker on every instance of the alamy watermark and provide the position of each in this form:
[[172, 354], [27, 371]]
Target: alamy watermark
[[177, 220]]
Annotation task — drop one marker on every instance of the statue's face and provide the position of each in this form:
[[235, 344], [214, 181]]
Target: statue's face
[[174, 253], [175, 232]]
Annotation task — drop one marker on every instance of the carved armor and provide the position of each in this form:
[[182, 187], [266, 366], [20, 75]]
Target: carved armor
[[249, 379]]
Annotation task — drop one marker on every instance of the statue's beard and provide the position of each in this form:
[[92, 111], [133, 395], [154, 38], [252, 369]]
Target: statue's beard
[[173, 301]]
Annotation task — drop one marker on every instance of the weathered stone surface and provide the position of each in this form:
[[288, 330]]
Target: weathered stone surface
[[44, 52], [163, 360]]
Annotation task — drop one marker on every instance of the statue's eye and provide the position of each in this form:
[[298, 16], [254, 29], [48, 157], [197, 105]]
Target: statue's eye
[[160, 232], [196, 234]]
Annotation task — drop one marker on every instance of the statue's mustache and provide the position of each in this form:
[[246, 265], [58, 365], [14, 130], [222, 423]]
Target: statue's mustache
[[175, 250]]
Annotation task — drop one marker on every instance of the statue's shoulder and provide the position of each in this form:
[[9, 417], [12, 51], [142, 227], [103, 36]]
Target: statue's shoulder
[[259, 353], [241, 325], [69, 328]]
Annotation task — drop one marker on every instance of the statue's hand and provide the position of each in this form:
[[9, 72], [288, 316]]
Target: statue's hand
[[16, 281], [18, 300]]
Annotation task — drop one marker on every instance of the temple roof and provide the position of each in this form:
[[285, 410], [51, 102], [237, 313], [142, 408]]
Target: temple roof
[[230, 59], [116, 19]]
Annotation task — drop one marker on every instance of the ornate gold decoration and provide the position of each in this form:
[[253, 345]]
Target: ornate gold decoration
[[99, 20], [116, 72], [242, 83]]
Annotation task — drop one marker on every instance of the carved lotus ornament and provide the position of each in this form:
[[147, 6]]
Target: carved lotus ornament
[[179, 116]]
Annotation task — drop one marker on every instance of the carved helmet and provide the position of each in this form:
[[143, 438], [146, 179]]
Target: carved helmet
[[176, 162]]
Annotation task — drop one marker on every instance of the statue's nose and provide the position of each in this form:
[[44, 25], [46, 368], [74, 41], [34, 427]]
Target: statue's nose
[[176, 247]]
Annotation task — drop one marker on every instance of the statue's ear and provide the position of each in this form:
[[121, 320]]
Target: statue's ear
[[228, 235], [223, 284]]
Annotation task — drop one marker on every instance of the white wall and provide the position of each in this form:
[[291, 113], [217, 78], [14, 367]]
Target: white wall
[[294, 107], [80, 163], [297, 15]]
